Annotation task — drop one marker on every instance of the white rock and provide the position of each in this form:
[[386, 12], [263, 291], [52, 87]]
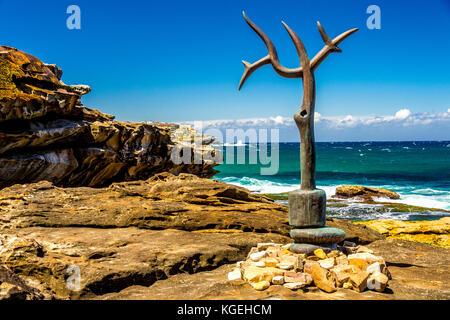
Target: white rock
[[235, 274], [288, 262], [260, 264], [285, 266], [327, 263], [286, 246], [278, 280], [294, 285], [374, 267], [256, 256], [377, 281]]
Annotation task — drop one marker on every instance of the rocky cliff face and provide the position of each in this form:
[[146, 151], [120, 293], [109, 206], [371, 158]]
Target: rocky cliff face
[[47, 134]]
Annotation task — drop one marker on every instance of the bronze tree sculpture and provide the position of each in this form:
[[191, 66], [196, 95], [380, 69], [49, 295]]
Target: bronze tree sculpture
[[307, 206]]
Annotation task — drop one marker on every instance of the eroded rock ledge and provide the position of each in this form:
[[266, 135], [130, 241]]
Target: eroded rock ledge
[[172, 237], [47, 134], [136, 233]]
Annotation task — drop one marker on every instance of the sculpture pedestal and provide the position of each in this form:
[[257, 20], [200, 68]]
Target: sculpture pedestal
[[307, 215], [309, 239]]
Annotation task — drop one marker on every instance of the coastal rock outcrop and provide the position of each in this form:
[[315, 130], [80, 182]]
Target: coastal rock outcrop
[[135, 233], [435, 232], [164, 201], [47, 134], [364, 193], [140, 239]]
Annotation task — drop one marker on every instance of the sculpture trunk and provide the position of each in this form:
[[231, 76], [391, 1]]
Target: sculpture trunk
[[304, 119]]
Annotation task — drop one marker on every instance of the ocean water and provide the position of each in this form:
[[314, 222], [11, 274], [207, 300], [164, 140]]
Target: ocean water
[[418, 171]]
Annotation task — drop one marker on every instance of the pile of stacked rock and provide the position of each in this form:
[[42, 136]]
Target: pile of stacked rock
[[350, 267]]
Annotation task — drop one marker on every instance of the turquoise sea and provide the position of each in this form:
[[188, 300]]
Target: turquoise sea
[[418, 171]]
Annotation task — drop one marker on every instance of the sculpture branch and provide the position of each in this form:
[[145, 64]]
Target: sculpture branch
[[272, 57], [251, 67], [330, 45], [301, 51]]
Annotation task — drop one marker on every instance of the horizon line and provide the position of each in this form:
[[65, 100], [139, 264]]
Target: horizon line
[[354, 141]]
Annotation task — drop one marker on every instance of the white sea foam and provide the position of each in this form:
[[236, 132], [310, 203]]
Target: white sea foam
[[423, 201], [430, 191], [422, 197], [360, 211], [239, 143], [260, 185]]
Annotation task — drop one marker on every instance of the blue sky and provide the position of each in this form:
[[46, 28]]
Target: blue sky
[[180, 60]]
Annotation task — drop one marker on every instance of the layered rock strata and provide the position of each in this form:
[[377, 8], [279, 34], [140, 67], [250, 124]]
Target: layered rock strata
[[47, 134]]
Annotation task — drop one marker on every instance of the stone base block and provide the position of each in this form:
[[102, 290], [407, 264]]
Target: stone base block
[[308, 248], [317, 235], [307, 208]]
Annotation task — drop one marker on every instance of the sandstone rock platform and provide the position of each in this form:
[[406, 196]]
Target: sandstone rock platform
[[414, 276], [173, 237], [434, 232]]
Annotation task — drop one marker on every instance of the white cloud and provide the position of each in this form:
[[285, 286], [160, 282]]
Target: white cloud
[[401, 117], [415, 125], [278, 119], [402, 114]]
